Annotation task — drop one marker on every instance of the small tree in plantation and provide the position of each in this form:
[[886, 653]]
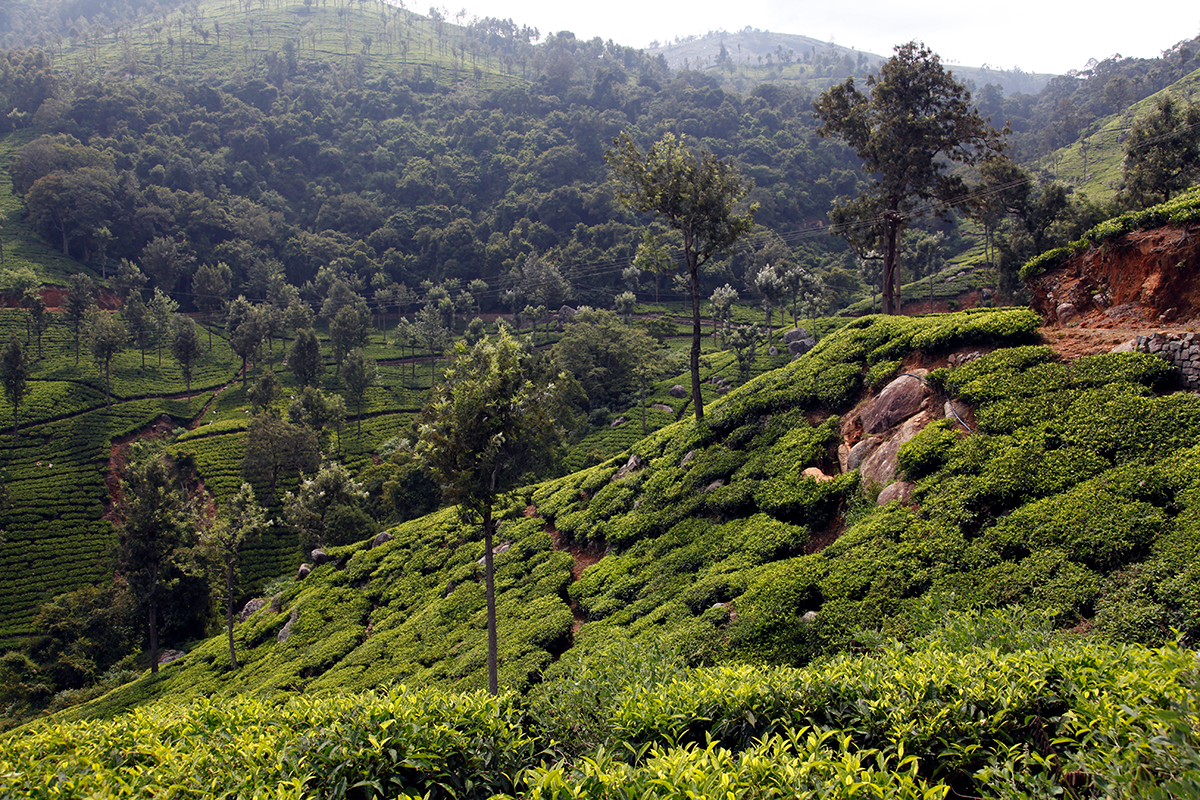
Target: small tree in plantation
[[697, 195], [186, 347], [241, 520], [360, 373], [486, 425], [106, 338], [14, 374], [304, 357], [155, 526]]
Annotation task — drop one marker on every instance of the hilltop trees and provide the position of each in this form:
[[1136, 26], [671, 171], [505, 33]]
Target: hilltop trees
[[695, 194], [911, 126], [1162, 153], [485, 428]]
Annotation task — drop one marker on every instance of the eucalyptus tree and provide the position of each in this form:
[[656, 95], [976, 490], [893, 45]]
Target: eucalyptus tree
[[481, 434], [14, 374], [695, 194]]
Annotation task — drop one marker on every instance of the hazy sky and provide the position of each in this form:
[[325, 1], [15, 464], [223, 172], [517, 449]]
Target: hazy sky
[[1045, 36]]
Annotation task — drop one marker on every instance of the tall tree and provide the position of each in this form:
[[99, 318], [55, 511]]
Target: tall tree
[[910, 129], [81, 297], [106, 338], [186, 347], [210, 288], [14, 374], [697, 195], [241, 520], [484, 428], [304, 357], [154, 528], [360, 373]]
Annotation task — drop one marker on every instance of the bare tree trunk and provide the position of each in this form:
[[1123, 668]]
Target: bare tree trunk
[[489, 577], [229, 613]]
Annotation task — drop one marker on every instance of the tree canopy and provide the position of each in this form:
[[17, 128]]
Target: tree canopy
[[696, 195], [914, 122]]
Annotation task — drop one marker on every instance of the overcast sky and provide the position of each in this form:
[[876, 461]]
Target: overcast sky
[[1035, 35]]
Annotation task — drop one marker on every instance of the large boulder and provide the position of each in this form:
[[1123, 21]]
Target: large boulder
[[303, 572], [801, 346], [897, 490], [860, 451], [898, 401], [382, 538], [319, 557], [678, 391], [879, 468], [251, 607], [795, 335]]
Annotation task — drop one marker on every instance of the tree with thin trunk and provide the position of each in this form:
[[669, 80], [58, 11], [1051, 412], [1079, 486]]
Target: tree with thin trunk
[[432, 333], [14, 374], [911, 128], [106, 338], [41, 319], [154, 528], [240, 521], [186, 347], [304, 357], [485, 428], [359, 374], [210, 288], [81, 297], [697, 195]]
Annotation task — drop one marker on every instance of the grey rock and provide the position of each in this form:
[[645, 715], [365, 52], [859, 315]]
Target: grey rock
[[663, 407], [801, 346], [633, 464], [1126, 347], [860, 451], [717, 484], [302, 573], [251, 607], [809, 616], [1066, 312], [774, 351], [319, 557], [898, 401], [167, 656], [687, 458], [286, 631], [678, 391], [795, 335], [898, 490], [382, 538]]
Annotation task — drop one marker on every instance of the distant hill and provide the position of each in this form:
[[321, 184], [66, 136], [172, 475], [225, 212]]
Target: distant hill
[[756, 56]]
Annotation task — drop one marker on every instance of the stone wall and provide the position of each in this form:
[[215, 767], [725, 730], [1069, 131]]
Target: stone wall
[[1180, 349]]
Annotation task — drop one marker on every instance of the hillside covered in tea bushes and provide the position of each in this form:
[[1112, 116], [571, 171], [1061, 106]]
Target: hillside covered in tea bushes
[[1068, 490], [1018, 626]]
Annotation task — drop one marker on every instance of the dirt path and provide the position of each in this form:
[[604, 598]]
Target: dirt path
[[584, 556]]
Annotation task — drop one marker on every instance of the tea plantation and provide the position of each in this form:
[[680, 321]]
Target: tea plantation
[[1022, 627]]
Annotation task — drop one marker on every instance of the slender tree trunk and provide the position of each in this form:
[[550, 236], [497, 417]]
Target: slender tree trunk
[[889, 264], [229, 613], [694, 273], [489, 577], [154, 619]]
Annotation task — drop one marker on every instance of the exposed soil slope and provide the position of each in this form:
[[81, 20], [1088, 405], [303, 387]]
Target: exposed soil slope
[[1142, 283]]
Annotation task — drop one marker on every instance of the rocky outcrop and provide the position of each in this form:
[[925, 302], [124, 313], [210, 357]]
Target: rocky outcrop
[[898, 401]]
